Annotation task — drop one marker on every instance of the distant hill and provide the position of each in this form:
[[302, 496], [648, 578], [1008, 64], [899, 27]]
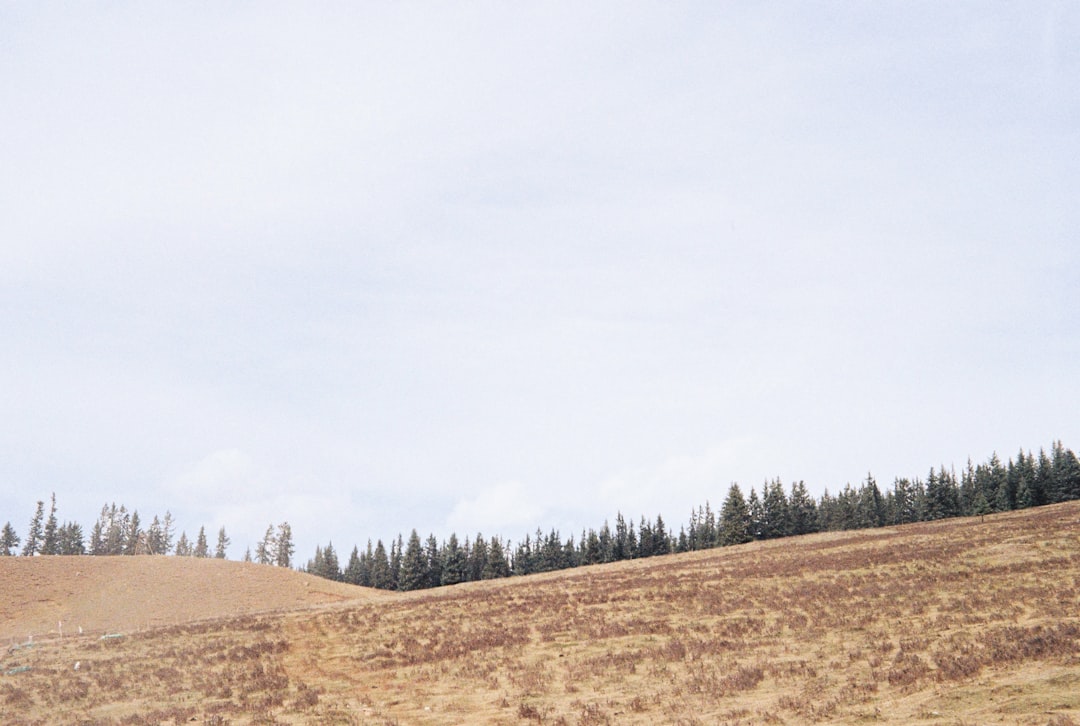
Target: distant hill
[[129, 593]]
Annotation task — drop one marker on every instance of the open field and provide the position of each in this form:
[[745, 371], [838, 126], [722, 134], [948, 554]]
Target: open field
[[955, 622]]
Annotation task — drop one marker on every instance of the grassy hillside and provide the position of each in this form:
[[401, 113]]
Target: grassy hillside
[[961, 621]]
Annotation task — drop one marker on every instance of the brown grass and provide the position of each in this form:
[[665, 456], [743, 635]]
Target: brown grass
[[956, 622]]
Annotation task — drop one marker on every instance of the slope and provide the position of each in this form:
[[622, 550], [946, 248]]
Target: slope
[[121, 594]]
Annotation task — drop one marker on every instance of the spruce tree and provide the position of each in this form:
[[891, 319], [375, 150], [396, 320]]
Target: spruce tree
[[32, 546], [223, 542], [433, 560], [380, 569], [331, 569], [414, 574], [202, 549], [802, 510], [134, 535], [496, 565], [9, 540], [70, 537], [454, 565], [183, 547], [734, 518], [266, 550], [353, 574], [50, 544], [284, 550]]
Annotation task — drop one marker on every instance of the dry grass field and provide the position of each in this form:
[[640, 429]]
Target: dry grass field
[[957, 622]]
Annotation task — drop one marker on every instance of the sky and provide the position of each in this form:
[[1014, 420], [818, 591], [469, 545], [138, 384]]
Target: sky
[[493, 267]]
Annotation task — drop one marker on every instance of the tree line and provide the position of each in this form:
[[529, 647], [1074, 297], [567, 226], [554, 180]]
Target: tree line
[[118, 531], [993, 486], [413, 564]]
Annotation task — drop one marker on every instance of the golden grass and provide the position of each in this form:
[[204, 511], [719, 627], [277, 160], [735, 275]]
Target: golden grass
[[955, 622]]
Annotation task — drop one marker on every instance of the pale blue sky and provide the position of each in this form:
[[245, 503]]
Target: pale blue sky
[[486, 267]]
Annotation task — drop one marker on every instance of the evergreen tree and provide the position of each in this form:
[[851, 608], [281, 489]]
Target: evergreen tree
[[802, 510], [433, 558], [223, 543], [9, 540], [942, 496], [353, 571], [266, 550], [753, 505], [414, 574], [70, 539], [134, 535], [661, 538], [776, 518], [331, 568], [607, 544], [183, 547], [380, 569], [621, 550], [247, 554], [155, 541], [50, 543], [396, 553], [202, 549], [496, 565], [870, 510], [645, 539], [284, 551], [97, 539], [34, 535], [734, 518], [477, 559], [1065, 474], [454, 569], [168, 529]]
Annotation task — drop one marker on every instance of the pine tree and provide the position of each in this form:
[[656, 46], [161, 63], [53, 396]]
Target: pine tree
[[247, 554], [50, 544], [223, 543], [266, 550], [9, 540], [454, 564], [433, 560], [331, 569], [414, 574], [202, 549], [183, 547], [496, 565], [34, 535], [134, 534], [622, 539], [734, 518], [477, 559], [285, 548], [397, 550], [168, 529], [70, 537], [802, 510], [661, 539], [353, 574], [97, 539], [774, 508], [380, 569], [753, 505], [154, 540]]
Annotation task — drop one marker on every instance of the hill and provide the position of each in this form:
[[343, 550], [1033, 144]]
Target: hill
[[958, 621], [122, 594]]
